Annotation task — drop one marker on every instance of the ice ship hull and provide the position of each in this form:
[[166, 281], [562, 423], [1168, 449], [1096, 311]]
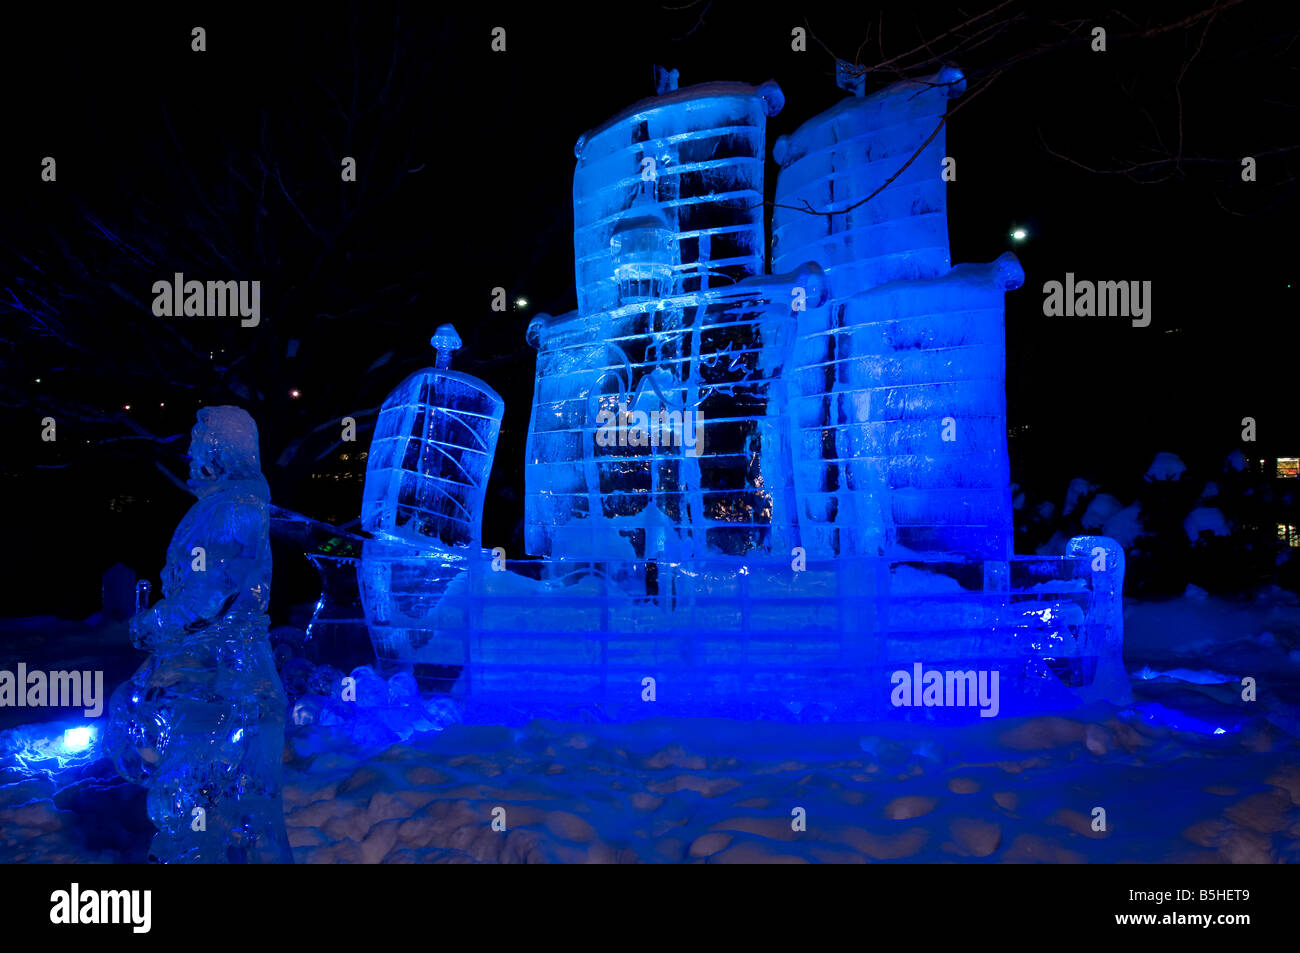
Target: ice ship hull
[[844, 639]]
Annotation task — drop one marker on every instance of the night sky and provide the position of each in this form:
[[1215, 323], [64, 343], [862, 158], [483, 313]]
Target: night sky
[[225, 164]]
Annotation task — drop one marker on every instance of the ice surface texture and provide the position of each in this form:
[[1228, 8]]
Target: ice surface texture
[[201, 724]]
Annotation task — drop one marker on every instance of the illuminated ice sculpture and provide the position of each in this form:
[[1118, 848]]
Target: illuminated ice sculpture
[[201, 723], [426, 476], [845, 512]]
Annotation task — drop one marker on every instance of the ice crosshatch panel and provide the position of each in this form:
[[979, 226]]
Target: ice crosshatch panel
[[674, 433]]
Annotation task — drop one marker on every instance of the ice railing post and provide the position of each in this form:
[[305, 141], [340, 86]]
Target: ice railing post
[[1105, 559]]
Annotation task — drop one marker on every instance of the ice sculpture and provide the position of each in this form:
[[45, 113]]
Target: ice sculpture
[[721, 483], [695, 157], [753, 493], [899, 398], [201, 723], [841, 161], [431, 454], [426, 476], [899, 409]]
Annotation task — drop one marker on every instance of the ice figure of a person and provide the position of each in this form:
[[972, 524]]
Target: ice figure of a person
[[201, 724]]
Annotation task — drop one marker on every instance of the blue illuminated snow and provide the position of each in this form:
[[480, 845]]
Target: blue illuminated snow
[[746, 493], [201, 723]]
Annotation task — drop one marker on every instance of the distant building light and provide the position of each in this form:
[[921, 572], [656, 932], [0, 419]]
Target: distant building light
[[1286, 533], [521, 303], [1288, 468], [295, 393], [1019, 234]]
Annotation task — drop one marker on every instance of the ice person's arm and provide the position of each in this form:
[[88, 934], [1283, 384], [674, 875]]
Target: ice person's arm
[[231, 537]]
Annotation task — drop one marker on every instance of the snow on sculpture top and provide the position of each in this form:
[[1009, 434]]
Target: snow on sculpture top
[[431, 455]]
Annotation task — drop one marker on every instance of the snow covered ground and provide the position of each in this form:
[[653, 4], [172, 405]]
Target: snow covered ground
[[1002, 790]]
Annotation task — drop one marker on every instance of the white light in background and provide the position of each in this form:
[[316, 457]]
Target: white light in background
[[78, 739]]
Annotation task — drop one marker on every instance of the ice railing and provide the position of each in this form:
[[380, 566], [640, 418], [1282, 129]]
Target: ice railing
[[710, 630]]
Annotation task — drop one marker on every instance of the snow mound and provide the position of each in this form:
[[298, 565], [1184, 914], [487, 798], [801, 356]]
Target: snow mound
[[1166, 466], [1204, 519], [1078, 489], [1102, 508], [1125, 526]]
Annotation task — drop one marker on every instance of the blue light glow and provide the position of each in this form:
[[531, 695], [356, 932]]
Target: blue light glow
[[78, 739]]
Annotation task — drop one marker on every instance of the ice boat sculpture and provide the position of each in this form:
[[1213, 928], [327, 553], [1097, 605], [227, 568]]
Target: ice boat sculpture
[[746, 493], [426, 476], [201, 724]]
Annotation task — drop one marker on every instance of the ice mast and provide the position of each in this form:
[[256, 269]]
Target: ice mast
[[675, 318]]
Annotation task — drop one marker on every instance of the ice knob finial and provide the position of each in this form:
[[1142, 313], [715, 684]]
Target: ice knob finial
[[445, 340], [1008, 273]]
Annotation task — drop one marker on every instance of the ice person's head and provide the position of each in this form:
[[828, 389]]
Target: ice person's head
[[223, 446]]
